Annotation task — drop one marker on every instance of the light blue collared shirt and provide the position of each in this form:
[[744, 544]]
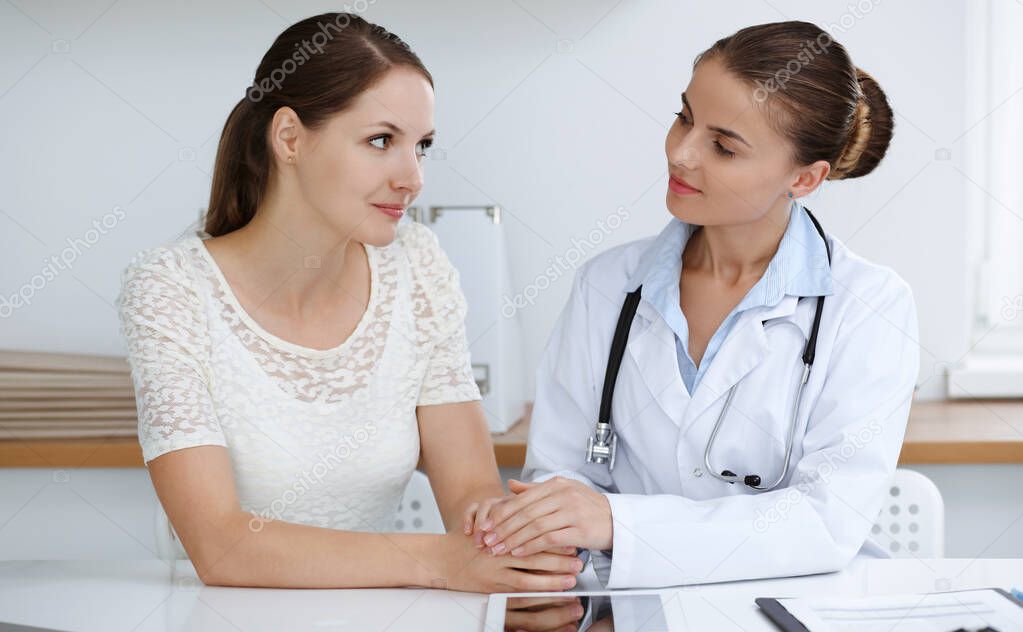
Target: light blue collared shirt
[[799, 268]]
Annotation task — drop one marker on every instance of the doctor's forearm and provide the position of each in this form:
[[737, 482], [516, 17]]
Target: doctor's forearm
[[667, 540]]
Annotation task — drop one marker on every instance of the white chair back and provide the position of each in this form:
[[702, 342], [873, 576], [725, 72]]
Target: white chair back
[[418, 511], [912, 521]]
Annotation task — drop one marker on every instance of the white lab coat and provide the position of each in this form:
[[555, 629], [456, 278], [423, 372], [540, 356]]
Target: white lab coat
[[674, 523]]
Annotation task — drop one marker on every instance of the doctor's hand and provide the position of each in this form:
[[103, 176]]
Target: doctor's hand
[[477, 514], [541, 516]]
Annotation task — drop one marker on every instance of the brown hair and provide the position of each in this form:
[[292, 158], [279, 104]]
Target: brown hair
[[317, 67], [812, 94]]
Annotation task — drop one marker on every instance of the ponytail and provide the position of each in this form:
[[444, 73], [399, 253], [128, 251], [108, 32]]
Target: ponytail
[[241, 171]]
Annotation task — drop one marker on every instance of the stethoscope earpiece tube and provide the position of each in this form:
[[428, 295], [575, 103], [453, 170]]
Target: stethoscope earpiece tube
[[811, 345], [618, 343], [603, 445]]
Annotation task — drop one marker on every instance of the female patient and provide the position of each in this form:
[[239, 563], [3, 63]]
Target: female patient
[[293, 367], [715, 395]]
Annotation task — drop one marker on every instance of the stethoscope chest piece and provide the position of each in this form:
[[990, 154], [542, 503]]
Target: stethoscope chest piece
[[602, 446]]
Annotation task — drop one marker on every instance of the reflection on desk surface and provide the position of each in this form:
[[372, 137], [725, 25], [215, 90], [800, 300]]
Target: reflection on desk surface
[[601, 613]]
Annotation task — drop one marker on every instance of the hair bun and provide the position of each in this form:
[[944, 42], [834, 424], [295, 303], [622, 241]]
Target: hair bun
[[871, 133]]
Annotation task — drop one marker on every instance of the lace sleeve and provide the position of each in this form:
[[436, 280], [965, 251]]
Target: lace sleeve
[[441, 306], [164, 328], [449, 376]]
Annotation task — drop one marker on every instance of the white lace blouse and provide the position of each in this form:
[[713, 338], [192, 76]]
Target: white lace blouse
[[321, 437]]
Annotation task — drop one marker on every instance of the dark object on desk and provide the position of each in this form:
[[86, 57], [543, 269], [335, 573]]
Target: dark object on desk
[[778, 615]]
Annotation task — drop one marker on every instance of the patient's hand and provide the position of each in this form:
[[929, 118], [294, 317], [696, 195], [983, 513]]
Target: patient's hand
[[458, 565], [542, 614]]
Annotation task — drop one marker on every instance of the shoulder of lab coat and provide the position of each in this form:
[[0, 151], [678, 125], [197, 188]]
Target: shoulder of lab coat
[[850, 448]]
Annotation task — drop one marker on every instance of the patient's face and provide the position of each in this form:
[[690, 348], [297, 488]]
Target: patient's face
[[356, 160], [739, 179]]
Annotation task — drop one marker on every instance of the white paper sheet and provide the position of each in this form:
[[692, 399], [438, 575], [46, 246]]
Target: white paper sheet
[[934, 612]]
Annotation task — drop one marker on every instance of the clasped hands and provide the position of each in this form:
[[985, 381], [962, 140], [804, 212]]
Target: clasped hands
[[536, 517]]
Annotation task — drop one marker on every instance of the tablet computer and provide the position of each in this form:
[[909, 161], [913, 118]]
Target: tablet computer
[[618, 610]]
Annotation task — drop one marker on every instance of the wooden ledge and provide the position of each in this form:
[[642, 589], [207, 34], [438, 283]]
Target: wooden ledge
[[964, 431], [71, 453], [973, 431]]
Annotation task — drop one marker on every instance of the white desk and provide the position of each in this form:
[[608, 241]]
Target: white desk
[[150, 595]]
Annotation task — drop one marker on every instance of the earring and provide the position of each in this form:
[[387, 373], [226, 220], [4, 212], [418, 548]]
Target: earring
[[790, 195]]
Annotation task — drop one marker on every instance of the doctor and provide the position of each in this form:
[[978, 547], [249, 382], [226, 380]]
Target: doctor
[[725, 464]]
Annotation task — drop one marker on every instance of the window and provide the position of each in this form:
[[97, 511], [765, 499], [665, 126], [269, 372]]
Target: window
[[994, 146]]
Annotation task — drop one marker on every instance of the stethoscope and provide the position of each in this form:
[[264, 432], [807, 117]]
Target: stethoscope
[[602, 447]]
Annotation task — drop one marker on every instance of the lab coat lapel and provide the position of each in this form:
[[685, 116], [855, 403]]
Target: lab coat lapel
[[742, 350], [652, 347]]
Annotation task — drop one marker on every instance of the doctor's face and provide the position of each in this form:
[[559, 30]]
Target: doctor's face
[[736, 166]]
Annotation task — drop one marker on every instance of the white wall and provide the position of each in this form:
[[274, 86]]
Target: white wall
[[556, 111]]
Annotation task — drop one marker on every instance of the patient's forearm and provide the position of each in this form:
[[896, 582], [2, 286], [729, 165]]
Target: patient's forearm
[[454, 514], [249, 552]]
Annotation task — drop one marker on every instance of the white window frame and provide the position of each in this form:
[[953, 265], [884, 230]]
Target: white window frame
[[994, 365]]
